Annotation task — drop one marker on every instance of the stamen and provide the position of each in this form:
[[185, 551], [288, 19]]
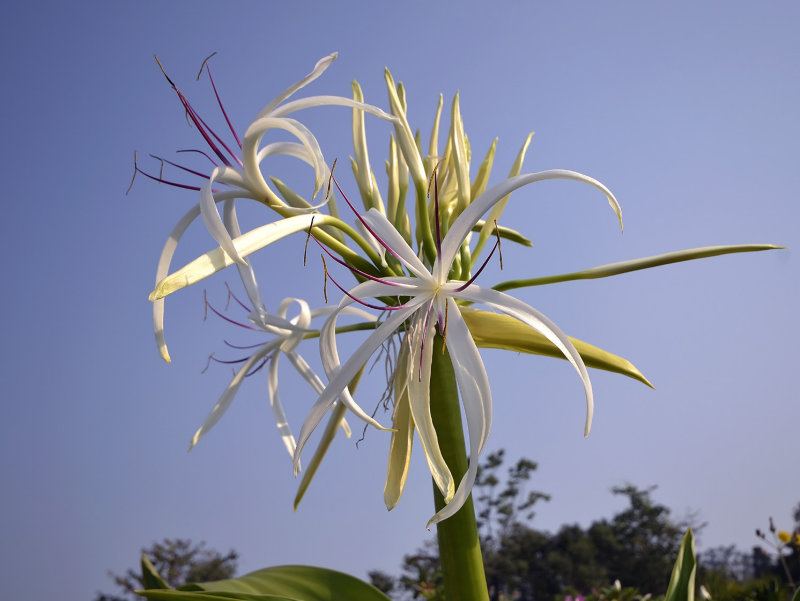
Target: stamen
[[228, 319], [328, 192], [499, 248], [325, 283], [205, 154], [231, 295], [355, 269], [246, 347], [361, 302], [219, 101], [477, 273], [178, 166], [135, 170], [200, 72], [305, 250], [435, 182]]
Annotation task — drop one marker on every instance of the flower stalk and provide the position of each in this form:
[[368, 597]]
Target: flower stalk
[[459, 547]]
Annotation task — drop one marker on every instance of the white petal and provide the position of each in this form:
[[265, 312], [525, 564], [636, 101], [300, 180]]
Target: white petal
[[212, 219], [246, 272], [419, 381], [164, 262], [530, 316], [396, 244], [473, 387], [277, 407], [246, 244], [230, 392], [472, 214], [340, 377], [252, 138], [315, 101], [318, 70]]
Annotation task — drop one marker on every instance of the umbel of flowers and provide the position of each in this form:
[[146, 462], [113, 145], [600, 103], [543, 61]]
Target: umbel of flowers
[[409, 265]]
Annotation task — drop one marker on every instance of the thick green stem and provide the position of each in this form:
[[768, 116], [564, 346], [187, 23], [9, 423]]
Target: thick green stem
[[459, 548]]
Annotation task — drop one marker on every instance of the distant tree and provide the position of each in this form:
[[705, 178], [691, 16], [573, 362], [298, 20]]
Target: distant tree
[[178, 561], [381, 581]]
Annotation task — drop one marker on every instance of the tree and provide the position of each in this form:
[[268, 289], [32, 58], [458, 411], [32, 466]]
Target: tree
[[178, 561]]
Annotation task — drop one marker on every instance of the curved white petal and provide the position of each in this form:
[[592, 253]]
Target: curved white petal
[[315, 101], [246, 273], [395, 243], [318, 70], [277, 407], [164, 262], [212, 219], [230, 392], [418, 376], [252, 138], [473, 387], [530, 316], [472, 214], [340, 377], [246, 244]]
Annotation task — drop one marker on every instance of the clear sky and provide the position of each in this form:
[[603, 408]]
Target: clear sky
[[687, 111]]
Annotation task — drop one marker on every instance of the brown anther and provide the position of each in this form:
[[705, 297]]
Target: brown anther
[[200, 72], [330, 179], [305, 250], [444, 334], [325, 283], [499, 249], [433, 174], [160, 66], [135, 170]]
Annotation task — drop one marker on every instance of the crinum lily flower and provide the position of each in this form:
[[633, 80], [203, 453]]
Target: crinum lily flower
[[241, 174], [286, 335], [431, 299]]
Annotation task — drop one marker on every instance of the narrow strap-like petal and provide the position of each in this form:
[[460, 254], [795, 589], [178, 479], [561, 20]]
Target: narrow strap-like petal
[[467, 220], [530, 316]]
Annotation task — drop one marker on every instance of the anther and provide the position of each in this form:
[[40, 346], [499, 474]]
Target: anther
[[305, 250], [200, 72], [135, 169], [330, 179], [499, 248], [160, 66]]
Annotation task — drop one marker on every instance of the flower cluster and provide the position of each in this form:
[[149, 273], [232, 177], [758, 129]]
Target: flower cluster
[[415, 259]]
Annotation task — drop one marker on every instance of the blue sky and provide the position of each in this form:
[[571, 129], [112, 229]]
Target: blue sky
[[688, 112]]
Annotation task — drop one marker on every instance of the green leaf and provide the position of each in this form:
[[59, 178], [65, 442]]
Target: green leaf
[[493, 330], [150, 577], [303, 583], [681, 584], [604, 271], [506, 233], [171, 595], [796, 595]]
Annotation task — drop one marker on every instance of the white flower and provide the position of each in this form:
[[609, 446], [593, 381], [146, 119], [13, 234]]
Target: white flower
[[286, 334], [243, 175], [431, 299]]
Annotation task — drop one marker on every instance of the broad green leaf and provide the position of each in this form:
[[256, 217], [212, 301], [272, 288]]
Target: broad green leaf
[[681, 584], [604, 271], [303, 583], [150, 577], [172, 595], [493, 330]]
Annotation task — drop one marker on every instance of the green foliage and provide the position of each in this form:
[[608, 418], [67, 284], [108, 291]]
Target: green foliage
[[281, 583], [681, 584], [171, 563]]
